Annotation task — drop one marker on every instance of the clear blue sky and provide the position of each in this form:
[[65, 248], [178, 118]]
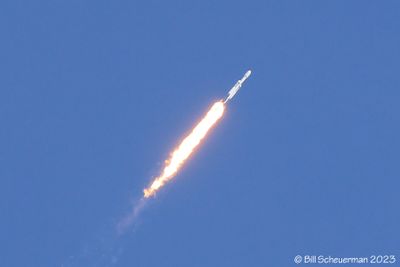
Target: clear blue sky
[[95, 94]]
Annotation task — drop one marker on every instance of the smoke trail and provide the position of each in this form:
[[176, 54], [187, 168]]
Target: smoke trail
[[127, 221], [185, 149]]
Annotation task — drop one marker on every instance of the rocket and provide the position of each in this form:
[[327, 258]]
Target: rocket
[[237, 86]]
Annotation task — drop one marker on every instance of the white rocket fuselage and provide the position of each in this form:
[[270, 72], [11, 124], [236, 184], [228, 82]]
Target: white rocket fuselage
[[237, 86]]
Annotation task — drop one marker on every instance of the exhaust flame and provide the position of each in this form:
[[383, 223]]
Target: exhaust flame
[[186, 148]]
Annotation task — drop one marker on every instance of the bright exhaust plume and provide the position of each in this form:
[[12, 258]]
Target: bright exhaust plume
[[186, 148]]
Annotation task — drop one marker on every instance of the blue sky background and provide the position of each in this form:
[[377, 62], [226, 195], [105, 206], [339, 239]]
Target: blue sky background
[[95, 94]]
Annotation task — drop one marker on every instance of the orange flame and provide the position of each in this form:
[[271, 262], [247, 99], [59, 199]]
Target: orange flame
[[185, 149]]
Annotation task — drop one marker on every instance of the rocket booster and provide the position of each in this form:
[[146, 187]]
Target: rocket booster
[[237, 86]]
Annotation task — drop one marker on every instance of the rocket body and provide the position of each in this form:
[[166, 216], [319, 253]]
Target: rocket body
[[237, 86]]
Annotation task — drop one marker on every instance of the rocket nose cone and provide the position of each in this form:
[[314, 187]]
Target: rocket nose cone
[[248, 73]]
